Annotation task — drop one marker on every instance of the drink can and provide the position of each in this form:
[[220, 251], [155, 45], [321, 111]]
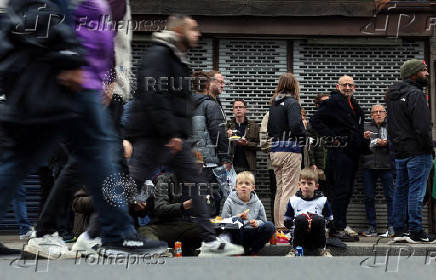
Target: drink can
[[299, 251], [273, 240], [177, 249]]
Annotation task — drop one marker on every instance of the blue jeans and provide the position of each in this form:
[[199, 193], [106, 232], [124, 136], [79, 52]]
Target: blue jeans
[[412, 175], [20, 210], [370, 177], [94, 145]]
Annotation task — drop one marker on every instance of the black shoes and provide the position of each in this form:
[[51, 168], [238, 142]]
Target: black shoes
[[419, 237], [344, 236], [133, 246]]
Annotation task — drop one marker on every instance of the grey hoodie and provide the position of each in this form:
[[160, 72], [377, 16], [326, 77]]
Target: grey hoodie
[[234, 206]]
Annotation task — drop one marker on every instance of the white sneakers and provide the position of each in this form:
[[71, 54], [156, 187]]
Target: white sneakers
[[218, 248], [29, 234], [85, 246], [350, 231], [50, 246]]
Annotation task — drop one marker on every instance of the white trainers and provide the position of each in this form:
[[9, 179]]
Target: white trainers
[[85, 246], [50, 246], [350, 231], [218, 248], [325, 253], [291, 254], [29, 234]]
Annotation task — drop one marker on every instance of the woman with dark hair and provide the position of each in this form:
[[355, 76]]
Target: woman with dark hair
[[286, 128]]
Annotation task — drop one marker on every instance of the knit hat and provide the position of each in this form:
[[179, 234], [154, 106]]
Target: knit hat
[[411, 67]]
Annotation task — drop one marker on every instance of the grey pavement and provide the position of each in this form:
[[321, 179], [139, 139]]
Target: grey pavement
[[240, 268]]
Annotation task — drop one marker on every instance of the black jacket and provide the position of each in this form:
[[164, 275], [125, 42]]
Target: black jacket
[[209, 130], [380, 157], [30, 62], [162, 109], [285, 121], [336, 120], [409, 120]]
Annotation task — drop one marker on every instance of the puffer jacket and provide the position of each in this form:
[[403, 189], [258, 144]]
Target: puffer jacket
[[409, 120], [209, 131], [162, 104]]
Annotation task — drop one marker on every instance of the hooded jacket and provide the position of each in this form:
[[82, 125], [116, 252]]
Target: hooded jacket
[[234, 206], [209, 130], [285, 124], [409, 120], [162, 105]]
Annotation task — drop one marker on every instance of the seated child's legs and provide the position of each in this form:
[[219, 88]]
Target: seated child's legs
[[300, 231], [313, 239], [317, 234], [255, 239]]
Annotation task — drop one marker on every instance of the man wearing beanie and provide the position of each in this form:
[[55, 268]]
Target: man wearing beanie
[[410, 132]]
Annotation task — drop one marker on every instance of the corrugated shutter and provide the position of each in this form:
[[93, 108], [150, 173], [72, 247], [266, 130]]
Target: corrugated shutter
[[252, 69], [374, 69]]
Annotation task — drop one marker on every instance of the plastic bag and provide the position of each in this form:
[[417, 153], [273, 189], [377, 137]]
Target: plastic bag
[[226, 179]]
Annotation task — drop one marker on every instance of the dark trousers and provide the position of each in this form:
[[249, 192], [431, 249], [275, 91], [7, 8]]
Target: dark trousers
[[94, 143], [151, 154], [313, 239], [186, 232], [253, 239], [341, 171], [370, 177], [57, 214]]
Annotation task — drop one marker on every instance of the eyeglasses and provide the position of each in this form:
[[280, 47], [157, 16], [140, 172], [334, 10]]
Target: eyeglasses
[[378, 112], [347, 85]]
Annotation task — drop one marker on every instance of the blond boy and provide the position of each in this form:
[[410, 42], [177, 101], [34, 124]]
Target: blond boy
[[244, 204]]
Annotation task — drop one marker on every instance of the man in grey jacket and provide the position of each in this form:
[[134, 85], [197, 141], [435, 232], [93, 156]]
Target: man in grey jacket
[[376, 165]]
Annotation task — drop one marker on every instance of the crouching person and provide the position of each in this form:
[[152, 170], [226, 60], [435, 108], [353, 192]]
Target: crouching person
[[307, 212], [171, 216], [244, 204]]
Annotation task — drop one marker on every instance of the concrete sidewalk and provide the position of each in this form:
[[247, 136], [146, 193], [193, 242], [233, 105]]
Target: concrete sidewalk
[[367, 246]]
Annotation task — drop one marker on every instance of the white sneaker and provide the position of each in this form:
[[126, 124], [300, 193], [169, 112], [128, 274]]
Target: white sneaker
[[50, 246], [29, 234], [350, 231], [218, 248], [291, 254], [85, 246]]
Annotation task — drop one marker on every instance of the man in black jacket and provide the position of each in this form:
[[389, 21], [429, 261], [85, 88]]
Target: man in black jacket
[[160, 119], [410, 132], [340, 121]]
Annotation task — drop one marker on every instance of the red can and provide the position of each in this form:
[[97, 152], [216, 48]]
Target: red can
[[273, 240], [177, 249]]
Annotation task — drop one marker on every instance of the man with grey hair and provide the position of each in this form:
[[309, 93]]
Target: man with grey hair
[[378, 164], [340, 121], [410, 132]]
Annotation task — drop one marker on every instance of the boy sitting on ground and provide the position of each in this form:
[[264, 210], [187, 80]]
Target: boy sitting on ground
[[256, 231], [308, 211]]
